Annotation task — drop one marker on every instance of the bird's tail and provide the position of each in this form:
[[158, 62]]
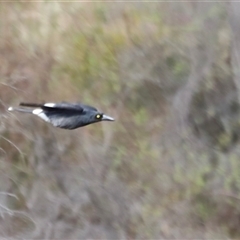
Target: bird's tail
[[20, 110], [31, 104]]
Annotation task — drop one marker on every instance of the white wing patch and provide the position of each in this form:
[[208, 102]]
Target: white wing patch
[[50, 104], [39, 112]]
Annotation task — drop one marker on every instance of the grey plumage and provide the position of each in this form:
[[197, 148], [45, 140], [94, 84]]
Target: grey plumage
[[64, 115]]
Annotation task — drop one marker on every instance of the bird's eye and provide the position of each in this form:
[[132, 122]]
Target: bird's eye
[[98, 116]]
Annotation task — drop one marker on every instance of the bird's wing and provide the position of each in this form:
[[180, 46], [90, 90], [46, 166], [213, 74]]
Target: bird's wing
[[56, 106]]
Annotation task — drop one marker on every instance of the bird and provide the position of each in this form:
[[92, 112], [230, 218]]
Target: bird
[[64, 114]]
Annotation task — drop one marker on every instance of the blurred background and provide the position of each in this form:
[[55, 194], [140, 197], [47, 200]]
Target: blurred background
[[168, 167]]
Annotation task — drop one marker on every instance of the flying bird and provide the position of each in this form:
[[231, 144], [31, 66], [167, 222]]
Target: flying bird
[[64, 115]]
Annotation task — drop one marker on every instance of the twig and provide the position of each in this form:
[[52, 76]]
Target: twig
[[9, 194]]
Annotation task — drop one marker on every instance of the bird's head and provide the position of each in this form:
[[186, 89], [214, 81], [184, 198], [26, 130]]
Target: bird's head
[[94, 117], [102, 117]]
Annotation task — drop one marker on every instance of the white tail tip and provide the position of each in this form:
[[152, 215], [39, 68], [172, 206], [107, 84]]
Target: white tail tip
[[10, 109]]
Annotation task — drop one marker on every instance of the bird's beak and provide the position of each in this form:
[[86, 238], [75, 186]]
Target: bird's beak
[[107, 118]]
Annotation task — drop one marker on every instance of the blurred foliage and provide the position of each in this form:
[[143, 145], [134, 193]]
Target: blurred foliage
[[158, 171]]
